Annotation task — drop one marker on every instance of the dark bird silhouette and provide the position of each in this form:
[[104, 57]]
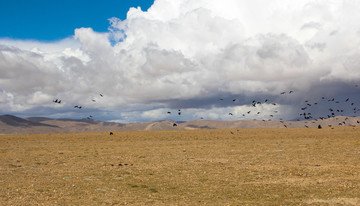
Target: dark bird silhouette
[[174, 125], [230, 113], [319, 126], [347, 100], [111, 133], [169, 112], [94, 100], [291, 92], [282, 93], [101, 95], [57, 101], [179, 113]]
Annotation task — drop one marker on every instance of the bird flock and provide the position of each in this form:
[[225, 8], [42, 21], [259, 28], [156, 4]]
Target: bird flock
[[308, 112], [58, 101]]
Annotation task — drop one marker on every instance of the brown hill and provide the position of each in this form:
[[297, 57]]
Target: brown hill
[[15, 125]]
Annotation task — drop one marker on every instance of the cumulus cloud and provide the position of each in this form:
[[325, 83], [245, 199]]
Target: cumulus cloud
[[186, 55]]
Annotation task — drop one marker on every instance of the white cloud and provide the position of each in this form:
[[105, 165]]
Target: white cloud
[[188, 50]]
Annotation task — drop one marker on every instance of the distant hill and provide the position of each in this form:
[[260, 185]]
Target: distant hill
[[19, 122], [15, 125]]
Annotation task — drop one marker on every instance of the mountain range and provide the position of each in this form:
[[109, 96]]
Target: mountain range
[[10, 124]]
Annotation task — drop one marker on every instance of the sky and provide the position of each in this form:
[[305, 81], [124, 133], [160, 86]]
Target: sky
[[210, 59]]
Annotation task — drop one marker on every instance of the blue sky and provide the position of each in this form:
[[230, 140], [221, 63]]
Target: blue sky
[[207, 58], [56, 19]]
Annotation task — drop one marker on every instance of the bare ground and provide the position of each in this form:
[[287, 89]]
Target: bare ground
[[294, 166]]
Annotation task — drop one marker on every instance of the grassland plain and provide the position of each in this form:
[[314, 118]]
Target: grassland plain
[[279, 166]]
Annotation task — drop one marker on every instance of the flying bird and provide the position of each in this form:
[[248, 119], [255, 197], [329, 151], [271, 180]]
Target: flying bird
[[57, 101]]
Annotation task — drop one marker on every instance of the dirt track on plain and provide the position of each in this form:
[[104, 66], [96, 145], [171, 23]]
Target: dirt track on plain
[[294, 166]]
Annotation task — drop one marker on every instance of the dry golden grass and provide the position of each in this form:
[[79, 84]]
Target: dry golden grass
[[295, 166]]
